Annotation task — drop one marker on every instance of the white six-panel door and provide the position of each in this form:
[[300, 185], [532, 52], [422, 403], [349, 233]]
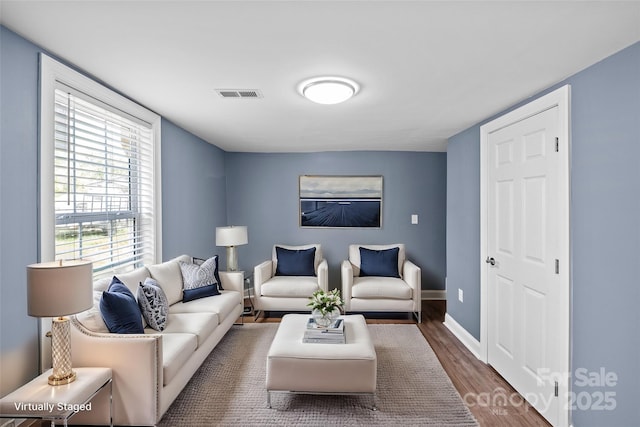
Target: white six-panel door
[[526, 294]]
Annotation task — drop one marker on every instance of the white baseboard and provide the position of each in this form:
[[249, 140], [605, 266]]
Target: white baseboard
[[461, 333], [434, 294]]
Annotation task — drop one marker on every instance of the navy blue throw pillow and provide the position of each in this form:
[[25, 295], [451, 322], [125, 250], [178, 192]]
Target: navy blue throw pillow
[[120, 310], [379, 263], [295, 262], [201, 292]]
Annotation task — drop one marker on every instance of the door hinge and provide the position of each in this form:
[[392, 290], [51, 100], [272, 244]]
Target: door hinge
[[555, 389], [557, 266], [557, 144]]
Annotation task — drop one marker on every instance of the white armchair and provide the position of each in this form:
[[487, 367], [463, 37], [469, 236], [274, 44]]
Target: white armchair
[[287, 280], [375, 283]]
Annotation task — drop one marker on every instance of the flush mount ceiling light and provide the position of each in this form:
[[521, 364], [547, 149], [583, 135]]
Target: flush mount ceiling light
[[328, 90]]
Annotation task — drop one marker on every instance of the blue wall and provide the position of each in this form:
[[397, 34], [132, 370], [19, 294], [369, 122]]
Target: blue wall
[[262, 193], [193, 201], [193, 193], [18, 207], [605, 231], [463, 229]]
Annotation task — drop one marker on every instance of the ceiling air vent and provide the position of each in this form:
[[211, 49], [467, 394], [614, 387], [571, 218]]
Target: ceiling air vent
[[239, 93]]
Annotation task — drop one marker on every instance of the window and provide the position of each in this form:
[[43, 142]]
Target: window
[[99, 184]]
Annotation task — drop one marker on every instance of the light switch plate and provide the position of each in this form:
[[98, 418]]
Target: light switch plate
[[414, 219]]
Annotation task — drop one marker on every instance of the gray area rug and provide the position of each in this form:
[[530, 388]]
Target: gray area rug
[[229, 387]]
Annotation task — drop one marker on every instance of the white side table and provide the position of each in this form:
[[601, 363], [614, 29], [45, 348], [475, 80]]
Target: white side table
[[38, 399]]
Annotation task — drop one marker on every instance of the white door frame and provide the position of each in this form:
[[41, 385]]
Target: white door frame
[[559, 98]]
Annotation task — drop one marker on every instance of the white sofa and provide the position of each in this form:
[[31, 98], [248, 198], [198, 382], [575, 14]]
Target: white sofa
[[288, 293], [150, 369], [379, 293]]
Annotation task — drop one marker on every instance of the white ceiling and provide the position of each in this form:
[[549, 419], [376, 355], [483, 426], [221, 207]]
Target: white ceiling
[[427, 69]]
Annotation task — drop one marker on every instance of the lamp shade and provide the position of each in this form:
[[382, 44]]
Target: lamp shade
[[59, 288], [231, 236]]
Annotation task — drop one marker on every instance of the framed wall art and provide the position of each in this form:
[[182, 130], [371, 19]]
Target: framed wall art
[[340, 201]]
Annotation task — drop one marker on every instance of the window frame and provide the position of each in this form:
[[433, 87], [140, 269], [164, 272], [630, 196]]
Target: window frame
[[53, 75]]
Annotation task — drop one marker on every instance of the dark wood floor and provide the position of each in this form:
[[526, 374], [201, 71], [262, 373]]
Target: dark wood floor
[[490, 398], [482, 388]]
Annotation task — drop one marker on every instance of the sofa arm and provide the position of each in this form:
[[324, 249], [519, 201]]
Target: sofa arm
[[136, 361], [346, 271], [412, 274], [232, 281], [323, 275]]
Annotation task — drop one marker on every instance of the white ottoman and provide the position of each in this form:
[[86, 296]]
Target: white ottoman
[[318, 368]]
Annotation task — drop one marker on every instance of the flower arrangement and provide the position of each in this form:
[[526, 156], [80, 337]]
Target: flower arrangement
[[325, 302]]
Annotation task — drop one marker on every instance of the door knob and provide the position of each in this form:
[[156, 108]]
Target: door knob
[[491, 260]]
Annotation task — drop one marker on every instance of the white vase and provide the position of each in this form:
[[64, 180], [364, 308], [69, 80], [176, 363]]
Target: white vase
[[326, 319]]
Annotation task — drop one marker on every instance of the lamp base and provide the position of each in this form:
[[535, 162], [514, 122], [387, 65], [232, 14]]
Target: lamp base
[[232, 259], [61, 352], [69, 378]]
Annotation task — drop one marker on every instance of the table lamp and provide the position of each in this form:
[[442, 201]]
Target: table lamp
[[231, 237], [56, 289]]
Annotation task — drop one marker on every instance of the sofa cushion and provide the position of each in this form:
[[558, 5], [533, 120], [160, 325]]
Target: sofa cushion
[[382, 262], [199, 281], [222, 305], [199, 324], [153, 304], [120, 310], [380, 287], [169, 278], [101, 284], [92, 318], [133, 278], [177, 349], [295, 262], [289, 286]]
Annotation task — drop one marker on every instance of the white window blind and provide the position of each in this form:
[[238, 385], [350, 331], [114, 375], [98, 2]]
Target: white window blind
[[103, 185]]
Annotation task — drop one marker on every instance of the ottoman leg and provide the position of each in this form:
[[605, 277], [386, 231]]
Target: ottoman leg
[[268, 399]]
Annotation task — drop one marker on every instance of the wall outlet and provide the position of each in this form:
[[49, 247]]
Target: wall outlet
[[460, 295], [414, 219]]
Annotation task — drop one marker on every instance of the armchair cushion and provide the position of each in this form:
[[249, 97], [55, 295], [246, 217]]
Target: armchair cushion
[[316, 260], [295, 262], [289, 286], [354, 256], [120, 310], [380, 287], [383, 262]]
